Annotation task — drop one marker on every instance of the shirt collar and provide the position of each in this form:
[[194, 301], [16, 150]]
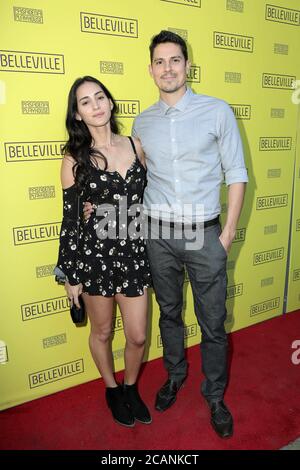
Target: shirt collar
[[181, 105]]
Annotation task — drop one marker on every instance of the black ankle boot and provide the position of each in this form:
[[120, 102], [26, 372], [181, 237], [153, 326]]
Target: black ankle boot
[[120, 411], [136, 404]]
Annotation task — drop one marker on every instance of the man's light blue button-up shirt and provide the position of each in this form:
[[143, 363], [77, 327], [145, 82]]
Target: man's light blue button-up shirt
[[189, 148]]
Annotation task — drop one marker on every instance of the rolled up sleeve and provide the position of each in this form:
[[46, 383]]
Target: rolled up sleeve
[[230, 146]]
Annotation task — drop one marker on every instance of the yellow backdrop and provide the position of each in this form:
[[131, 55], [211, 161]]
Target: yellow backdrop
[[245, 52]]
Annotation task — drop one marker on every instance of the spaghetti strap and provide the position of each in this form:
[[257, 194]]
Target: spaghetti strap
[[132, 145]]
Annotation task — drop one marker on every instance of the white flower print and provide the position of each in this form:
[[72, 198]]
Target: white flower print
[[123, 256]]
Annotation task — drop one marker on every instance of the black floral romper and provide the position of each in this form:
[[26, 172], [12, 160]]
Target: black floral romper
[[111, 257]]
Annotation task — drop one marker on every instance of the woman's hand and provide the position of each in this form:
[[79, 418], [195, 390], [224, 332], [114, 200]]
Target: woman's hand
[[73, 292], [88, 209]]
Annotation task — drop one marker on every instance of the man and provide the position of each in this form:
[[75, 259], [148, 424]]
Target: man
[[191, 141]]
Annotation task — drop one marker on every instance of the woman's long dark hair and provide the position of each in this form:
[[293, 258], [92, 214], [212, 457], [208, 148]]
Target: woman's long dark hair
[[80, 142]]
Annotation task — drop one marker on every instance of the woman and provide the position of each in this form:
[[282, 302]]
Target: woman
[[106, 169]]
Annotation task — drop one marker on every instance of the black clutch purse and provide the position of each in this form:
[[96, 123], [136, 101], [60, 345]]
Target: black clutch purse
[[78, 314]]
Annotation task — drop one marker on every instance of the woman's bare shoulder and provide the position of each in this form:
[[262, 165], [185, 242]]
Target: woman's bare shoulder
[[66, 172]]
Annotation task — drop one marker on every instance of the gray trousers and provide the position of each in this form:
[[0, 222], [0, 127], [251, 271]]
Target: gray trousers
[[206, 269]]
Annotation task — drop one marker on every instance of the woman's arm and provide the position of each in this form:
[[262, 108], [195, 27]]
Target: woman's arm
[[68, 249]]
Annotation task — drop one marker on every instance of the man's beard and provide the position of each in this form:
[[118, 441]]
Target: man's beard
[[172, 89]]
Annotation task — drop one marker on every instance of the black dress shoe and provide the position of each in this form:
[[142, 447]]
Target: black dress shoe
[[136, 405], [116, 402], [167, 394], [221, 418]]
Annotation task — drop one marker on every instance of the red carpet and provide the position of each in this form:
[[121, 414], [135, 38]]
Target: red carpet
[[263, 395]]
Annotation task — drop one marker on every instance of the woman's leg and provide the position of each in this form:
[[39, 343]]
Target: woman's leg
[[100, 312], [134, 315]]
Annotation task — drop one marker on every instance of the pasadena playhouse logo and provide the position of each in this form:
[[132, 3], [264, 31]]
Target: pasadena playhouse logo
[[277, 113], [115, 68], [233, 77], [53, 374], [183, 33], [274, 173], [111, 25], [268, 256], [36, 233], [274, 201], [188, 3], [271, 144], [28, 15], [44, 308], [127, 108], [55, 340], [264, 306], [31, 62], [270, 229], [282, 15], [235, 5], [234, 42], [241, 111], [281, 49], [45, 270], [35, 107], [33, 151], [41, 192], [279, 81]]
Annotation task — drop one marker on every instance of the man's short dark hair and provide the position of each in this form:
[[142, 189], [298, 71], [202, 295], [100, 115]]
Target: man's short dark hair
[[168, 36]]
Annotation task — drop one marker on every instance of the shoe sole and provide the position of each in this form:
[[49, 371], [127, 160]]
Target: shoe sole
[[143, 422], [123, 424], [167, 407]]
